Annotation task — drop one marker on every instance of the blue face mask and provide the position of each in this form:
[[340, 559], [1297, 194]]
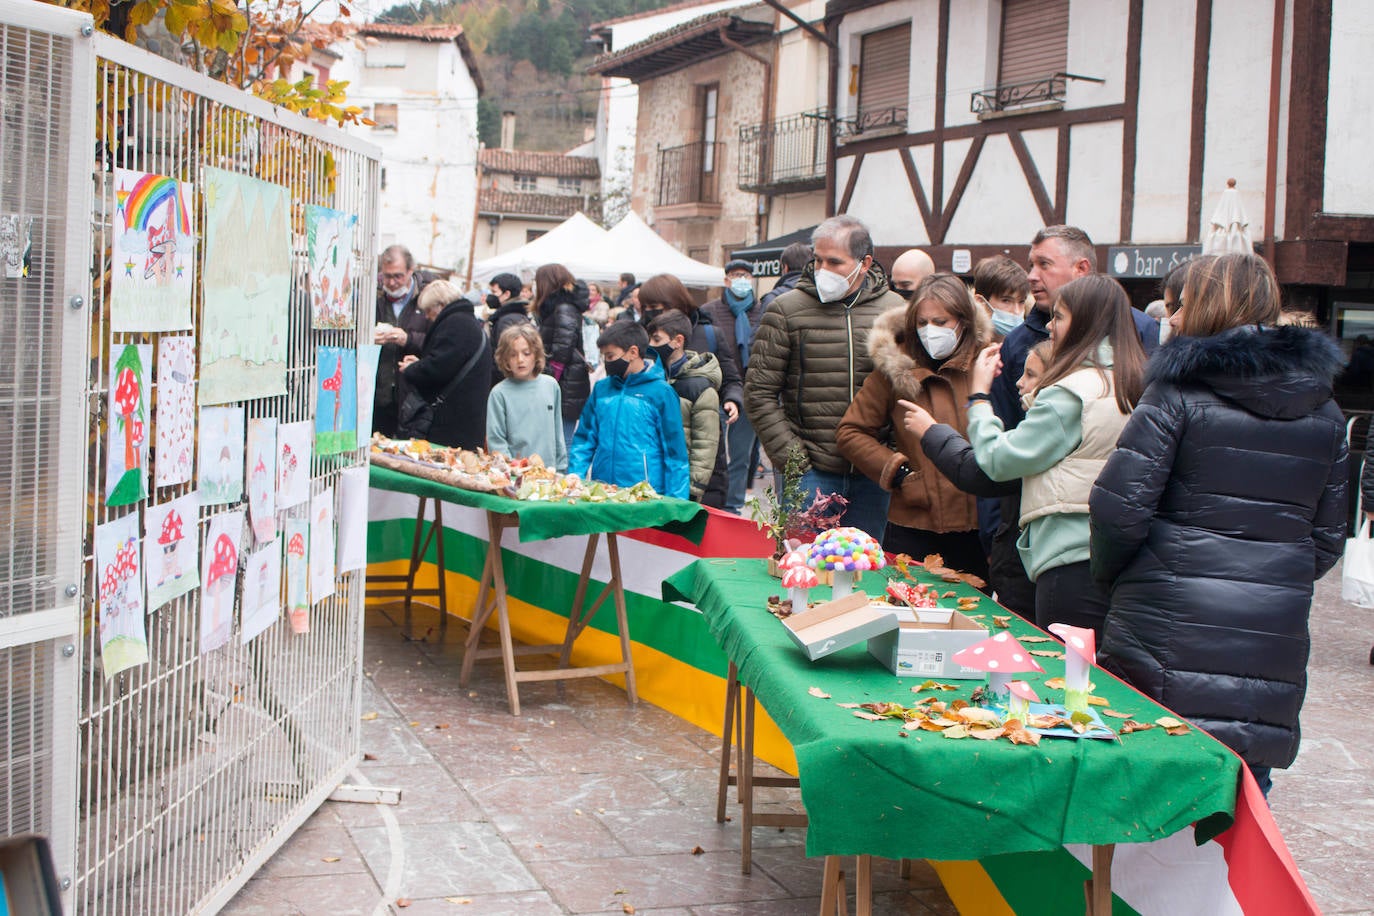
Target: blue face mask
[[741, 286], [1005, 322]]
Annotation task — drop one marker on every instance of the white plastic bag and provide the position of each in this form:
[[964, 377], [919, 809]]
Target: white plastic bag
[[590, 332], [1357, 573]]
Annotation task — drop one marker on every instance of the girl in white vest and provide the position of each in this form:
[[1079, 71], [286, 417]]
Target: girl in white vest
[[1094, 378]]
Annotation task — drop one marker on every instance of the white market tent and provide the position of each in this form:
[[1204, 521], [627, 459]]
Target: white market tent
[[594, 254]]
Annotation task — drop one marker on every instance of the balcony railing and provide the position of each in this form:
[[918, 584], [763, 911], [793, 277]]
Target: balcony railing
[[687, 173], [788, 154], [881, 121], [1046, 90]]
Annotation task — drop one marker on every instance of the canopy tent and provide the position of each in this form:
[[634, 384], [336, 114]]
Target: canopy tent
[[576, 243], [594, 254], [765, 255]]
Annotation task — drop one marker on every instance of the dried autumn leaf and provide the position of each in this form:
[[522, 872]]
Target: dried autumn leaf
[[848, 705], [1036, 639], [1117, 715], [1046, 721], [948, 594], [930, 726], [627, 908], [958, 704], [903, 563], [861, 714], [975, 616], [402, 902], [985, 734], [330, 859], [1097, 701], [697, 850], [1171, 725], [903, 734], [1021, 736], [925, 701], [932, 685], [369, 716], [1131, 725], [971, 579], [912, 723], [1046, 653], [944, 722], [933, 559], [950, 575], [1055, 683], [956, 731], [818, 692], [975, 714], [1001, 623]]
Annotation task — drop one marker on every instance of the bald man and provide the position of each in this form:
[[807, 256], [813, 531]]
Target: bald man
[[910, 268]]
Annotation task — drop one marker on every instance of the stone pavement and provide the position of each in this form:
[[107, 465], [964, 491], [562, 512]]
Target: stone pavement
[[586, 805]]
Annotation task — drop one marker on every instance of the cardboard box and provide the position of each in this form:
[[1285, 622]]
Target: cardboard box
[[835, 625], [922, 648]]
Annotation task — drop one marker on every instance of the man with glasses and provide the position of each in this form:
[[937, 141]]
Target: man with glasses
[[400, 330]]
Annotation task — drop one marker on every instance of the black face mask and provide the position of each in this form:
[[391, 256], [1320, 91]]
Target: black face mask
[[665, 355], [493, 301], [649, 315], [616, 368], [904, 293]]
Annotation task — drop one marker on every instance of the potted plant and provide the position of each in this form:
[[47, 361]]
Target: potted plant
[[786, 516]]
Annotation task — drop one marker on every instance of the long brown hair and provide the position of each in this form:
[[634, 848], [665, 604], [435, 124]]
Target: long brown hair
[[666, 290], [1099, 309], [547, 280], [1227, 292], [952, 293]]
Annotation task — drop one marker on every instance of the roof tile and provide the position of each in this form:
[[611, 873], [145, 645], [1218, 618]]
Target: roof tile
[[529, 162]]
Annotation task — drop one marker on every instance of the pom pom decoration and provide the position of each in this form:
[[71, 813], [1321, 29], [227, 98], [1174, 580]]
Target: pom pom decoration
[[846, 552]]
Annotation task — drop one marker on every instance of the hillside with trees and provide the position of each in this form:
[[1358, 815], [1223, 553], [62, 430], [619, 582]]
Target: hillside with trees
[[533, 55]]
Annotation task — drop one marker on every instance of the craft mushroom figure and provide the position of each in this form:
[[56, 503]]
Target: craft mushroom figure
[[170, 539], [224, 567], [798, 580], [1080, 653], [1001, 656], [334, 384], [300, 619], [1019, 697], [847, 553], [126, 398]]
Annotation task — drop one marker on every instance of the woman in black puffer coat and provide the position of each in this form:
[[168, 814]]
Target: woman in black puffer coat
[[1223, 503], [559, 304], [451, 370]]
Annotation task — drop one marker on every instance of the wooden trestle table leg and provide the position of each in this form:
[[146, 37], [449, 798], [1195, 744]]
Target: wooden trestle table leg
[[1098, 889]]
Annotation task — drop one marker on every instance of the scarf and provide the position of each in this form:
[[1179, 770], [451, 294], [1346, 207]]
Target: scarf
[[744, 329]]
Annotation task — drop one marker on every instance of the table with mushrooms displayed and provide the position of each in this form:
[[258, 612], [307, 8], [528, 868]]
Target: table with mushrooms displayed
[[922, 767]]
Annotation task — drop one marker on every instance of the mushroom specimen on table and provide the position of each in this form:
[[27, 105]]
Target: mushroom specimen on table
[[1080, 653], [1001, 656]]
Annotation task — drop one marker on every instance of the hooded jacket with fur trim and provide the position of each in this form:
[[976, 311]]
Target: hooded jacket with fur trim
[[1224, 501], [927, 499]]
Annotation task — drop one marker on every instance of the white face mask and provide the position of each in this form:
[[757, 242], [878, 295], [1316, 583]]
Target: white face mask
[[831, 286], [939, 342]]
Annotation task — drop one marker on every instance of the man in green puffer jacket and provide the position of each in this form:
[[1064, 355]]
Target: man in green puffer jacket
[[809, 359]]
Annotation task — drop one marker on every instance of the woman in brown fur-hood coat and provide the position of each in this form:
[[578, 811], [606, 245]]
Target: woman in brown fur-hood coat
[[927, 514]]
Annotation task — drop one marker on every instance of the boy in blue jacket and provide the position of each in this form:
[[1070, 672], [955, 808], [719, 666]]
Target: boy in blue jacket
[[631, 427]]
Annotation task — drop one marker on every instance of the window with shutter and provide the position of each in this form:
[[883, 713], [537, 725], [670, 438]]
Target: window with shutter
[[884, 72], [1035, 40]]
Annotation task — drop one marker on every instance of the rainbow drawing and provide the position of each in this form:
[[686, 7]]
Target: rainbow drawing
[[148, 194]]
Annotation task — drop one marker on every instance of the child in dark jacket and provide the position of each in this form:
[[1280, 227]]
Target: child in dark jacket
[[696, 378], [631, 426]]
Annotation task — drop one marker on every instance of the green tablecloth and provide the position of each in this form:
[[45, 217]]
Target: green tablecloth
[[868, 790], [543, 520]]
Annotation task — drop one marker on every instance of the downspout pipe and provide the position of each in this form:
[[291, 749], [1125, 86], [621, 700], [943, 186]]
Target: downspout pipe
[[1271, 165]]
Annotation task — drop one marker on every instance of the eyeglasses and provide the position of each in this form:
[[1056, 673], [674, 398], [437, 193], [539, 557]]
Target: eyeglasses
[[400, 276]]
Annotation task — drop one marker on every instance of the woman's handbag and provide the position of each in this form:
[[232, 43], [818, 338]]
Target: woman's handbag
[[1357, 572], [416, 414]]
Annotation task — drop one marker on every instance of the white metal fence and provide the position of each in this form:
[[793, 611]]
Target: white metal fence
[[167, 785]]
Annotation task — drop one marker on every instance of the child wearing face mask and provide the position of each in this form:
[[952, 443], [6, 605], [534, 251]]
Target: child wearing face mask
[[922, 354], [696, 379], [631, 426], [1001, 286]]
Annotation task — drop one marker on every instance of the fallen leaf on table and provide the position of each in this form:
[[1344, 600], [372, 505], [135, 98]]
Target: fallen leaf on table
[[1046, 653], [985, 734], [1131, 725], [1172, 725], [697, 850], [958, 705], [1097, 701], [978, 714], [944, 722], [848, 705], [1036, 639], [369, 716], [1019, 735], [971, 579], [1001, 622], [932, 685], [903, 734], [1117, 715], [975, 616], [330, 859], [861, 714], [956, 731], [933, 559], [952, 576], [818, 692], [1055, 683], [930, 726], [948, 594], [903, 563]]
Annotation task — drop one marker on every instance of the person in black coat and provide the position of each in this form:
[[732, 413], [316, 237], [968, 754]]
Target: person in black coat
[[560, 301], [400, 330], [508, 309], [451, 370], [1223, 503]]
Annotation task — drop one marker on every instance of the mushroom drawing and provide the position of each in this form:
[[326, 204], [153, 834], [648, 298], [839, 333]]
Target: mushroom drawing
[[295, 584], [334, 384], [1000, 656], [170, 539], [128, 398], [108, 586], [1080, 652], [1019, 698], [799, 579], [288, 465], [224, 568]]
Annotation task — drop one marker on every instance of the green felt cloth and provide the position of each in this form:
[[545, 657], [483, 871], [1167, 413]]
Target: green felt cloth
[[543, 520], [869, 790]]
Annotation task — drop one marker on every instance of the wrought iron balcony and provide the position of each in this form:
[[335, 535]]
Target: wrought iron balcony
[[1046, 90], [788, 154], [687, 173], [879, 121]]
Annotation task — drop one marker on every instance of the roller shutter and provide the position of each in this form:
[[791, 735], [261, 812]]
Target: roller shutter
[[884, 70], [1035, 39]]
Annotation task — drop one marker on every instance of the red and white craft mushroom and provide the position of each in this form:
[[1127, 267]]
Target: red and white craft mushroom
[[1080, 652], [798, 580], [1019, 698], [224, 567], [1000, 656]]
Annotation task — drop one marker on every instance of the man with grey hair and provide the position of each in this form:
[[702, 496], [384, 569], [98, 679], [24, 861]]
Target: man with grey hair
[[810, 357], [400, 329]]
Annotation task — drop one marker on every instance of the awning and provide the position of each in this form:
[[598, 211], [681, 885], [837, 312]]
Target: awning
[[764, 255]]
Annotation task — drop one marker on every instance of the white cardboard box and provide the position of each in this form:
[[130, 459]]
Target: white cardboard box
[[838, 624], [917, 649]]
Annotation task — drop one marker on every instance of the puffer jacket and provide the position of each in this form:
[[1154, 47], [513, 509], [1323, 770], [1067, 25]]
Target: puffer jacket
[[451, 343], [809, 360], [560, 327], [927, 500], [697, 383], [632, 431], [1224, 501]]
